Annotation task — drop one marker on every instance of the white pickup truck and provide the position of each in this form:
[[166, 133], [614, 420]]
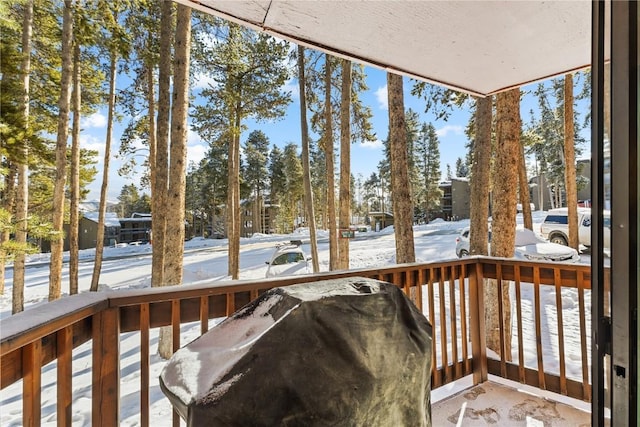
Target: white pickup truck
[[555, 227]]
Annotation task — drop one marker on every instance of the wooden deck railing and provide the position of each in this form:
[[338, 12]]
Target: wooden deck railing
[[449, 294]]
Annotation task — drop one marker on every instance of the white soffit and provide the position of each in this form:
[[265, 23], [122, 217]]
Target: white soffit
[[480, 47]]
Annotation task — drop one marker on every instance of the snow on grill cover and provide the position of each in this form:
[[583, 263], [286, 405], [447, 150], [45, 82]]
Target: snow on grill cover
[[342, 352]]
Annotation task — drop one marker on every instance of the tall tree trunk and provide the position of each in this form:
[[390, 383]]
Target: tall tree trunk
[[331, 185], [57, 243], [75, 175], [233, 198], [102, 210], [255, 222], [400, 185], [306, 167], [177, 176], [8, 202], [22, 190], [523, 189], [159, 214], [570, 164], [481, 178], [179, 126], [159, 222], [505, 182], [345, 164], [151, 101]]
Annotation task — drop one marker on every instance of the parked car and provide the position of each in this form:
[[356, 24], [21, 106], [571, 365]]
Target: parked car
[[555, 227], [288, 259], [528, 246]]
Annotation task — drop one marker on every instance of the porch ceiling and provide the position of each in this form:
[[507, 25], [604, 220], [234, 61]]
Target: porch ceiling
[[480, 47]]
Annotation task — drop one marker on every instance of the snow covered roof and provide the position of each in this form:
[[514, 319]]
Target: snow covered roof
[[479, 47], [110, 218]]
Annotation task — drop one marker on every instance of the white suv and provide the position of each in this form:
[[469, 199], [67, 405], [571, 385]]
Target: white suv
[[555, 227], [288, 259]]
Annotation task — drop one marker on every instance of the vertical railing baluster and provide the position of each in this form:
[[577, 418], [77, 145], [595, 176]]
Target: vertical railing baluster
[[518, 285], [144, 364], [453, 322], [421, 281], [586, 386], [437, 379], [463, 320], [557, 281], [175, 327], [231, 304], [64, 338], [204, 314], [443, 327], [31, 383], [538, 315], [503, 341]]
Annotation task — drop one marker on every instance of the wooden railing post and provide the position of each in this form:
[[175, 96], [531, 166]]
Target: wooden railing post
[[477, 326], [106, 369]]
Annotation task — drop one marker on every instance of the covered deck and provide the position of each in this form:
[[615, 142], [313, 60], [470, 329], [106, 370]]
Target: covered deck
[[85, 335]]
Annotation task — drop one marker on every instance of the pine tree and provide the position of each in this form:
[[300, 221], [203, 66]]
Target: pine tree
[[249, 70], [256, 151], [427, 160]]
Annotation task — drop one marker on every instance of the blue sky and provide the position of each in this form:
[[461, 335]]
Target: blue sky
[[364, 157]]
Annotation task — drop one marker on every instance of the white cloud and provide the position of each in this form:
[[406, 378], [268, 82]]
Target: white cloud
[[96, 120], [372, 144], [203, 81], [196, 150], [292, 86], [382, 97], [445, 130], [195, 153], [91, 142]]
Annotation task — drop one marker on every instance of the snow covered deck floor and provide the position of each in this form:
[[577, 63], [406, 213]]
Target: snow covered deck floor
[[494, 404]]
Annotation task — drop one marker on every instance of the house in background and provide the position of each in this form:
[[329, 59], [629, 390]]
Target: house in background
[[135, 229], [268, 215], [380, 220], [455, 203], [88, 231]]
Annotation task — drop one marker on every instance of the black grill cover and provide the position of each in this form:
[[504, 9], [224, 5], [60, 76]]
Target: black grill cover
[[347, 352]]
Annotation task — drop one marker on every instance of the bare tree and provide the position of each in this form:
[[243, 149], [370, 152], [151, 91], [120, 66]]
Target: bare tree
[[328, 148], [344, 218], [57, 243], [400, 185], [308, 191]]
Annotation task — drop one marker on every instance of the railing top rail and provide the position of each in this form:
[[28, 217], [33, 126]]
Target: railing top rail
[[25, 327]]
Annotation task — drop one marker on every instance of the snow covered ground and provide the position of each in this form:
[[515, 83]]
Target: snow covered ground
[[205, 260]]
